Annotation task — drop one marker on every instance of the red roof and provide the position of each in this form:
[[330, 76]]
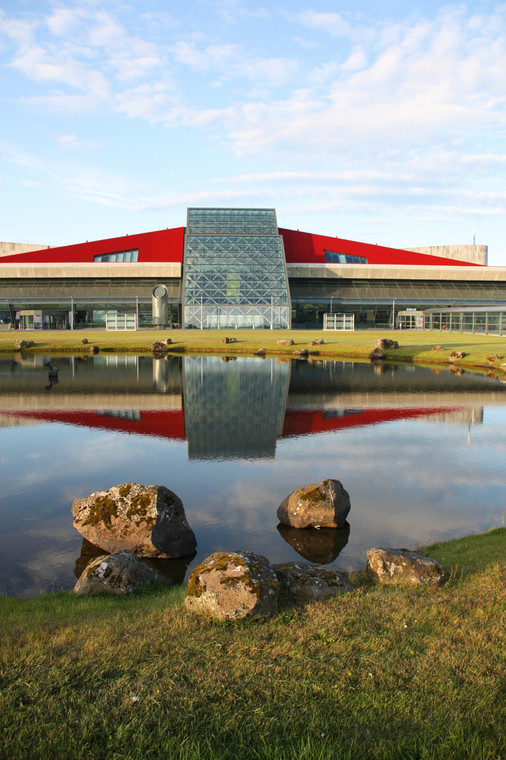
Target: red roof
[[167, 246], [306, 248], [162, 246]]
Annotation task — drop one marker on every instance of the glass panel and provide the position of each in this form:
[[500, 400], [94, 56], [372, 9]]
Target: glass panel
[[234, 260]]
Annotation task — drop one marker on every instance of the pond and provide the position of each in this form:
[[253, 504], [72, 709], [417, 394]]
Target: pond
[[421, 453]]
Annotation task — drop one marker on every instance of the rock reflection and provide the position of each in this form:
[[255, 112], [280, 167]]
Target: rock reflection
[[319, 545], [88, 552], [173, 570]]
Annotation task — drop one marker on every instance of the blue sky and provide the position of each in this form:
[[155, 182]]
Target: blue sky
[[376, 121]]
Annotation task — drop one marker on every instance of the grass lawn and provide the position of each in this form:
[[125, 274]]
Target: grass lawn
[[390, 673], [413, 345]]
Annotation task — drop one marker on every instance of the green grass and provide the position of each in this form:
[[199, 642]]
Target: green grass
[[383, 673], [414, 346]]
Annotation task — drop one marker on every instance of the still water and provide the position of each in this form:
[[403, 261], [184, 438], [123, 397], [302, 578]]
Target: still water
[[422, 454]]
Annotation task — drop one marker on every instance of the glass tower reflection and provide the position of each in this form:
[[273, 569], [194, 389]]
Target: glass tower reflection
[[233, 408]]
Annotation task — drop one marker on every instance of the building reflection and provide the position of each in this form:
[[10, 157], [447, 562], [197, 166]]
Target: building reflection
[[233, 409], [236, 407]]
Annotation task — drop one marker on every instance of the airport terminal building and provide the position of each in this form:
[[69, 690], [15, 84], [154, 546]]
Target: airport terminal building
[[234, 268]]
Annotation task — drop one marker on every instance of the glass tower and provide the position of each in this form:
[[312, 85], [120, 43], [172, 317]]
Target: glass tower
[[234, 270]]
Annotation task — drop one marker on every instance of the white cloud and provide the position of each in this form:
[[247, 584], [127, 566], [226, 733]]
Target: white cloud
[[330, 23], [72, 142], [20, 31], [232, 10], [62, 21]]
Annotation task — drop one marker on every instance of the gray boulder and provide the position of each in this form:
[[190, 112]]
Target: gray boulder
[[322, 505], [233, 585], [119, 573], [386, 343], [147, 520], [302, 582], [403, 566]]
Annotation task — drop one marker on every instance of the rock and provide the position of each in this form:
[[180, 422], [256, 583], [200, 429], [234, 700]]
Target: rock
[[285, 342], [167, 341], [159, 348], [502, 367], [119, 573], [84, 341], [403, 566], [302, 582], [147, 520], [385, 343], [321, 546], [316, 342], [94, 349], [493, 358], [322, 505], [233, 585], [229, 340], [19, 343], [301, 353], [376, 354], [437, 348], [456, 355], [260, 352]]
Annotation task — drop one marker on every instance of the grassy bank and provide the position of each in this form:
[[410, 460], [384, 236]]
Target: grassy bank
[[390, 673], [413, 346]]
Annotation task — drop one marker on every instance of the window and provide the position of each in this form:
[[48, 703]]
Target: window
[[118, 256], [343, 258]]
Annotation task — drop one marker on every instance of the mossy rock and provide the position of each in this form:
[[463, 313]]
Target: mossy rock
[[320, 505], [233, 585], [148, 520]]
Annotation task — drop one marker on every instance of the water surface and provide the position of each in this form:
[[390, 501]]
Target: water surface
[[420, 452]]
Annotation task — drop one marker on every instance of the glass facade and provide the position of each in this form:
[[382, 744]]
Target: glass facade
[[90, 299], [234, 270], [487, 320], [372, 301]]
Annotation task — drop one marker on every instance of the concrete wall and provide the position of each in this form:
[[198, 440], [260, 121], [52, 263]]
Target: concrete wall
[[475, 254], [8, 249]]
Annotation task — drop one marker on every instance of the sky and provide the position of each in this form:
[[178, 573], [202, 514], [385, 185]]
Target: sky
[[380, 121]]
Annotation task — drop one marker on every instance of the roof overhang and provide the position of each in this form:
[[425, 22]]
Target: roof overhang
[[103, 269], [396, 272]]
